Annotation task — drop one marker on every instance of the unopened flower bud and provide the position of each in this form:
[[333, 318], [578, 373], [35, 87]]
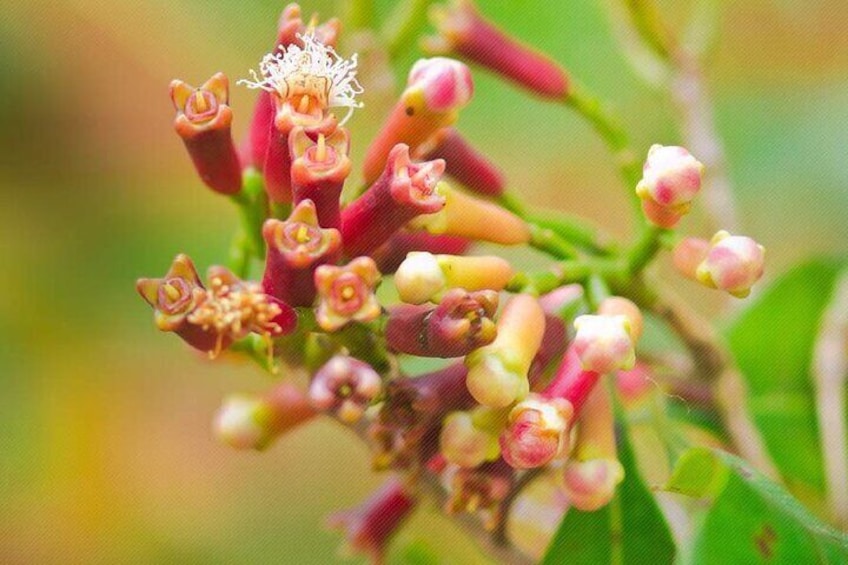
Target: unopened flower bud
[[688, 254], [536, 432], [369, 527], [461, 323], [497, 373], [318, 171], [670, 181], [425, 277], [592, 473], [733, 264], [662, 216], [618, 306], [464, 443], [604, 343], [295, 248], [173, 297], [590, 485], [347, 293], [403, 191], [636, 383], [203, 122], [466, 216], [463, 32], [390, 255], [254, 421], [345, 387], [464, 163], [436, 90]]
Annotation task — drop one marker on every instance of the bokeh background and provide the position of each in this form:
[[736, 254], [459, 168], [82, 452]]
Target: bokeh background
[[105, 449]]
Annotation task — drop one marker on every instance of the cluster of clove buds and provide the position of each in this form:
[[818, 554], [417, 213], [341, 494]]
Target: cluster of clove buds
[[523, 385]]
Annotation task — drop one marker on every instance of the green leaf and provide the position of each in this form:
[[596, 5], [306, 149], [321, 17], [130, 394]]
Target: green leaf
[[631, 529], [751, 519], [772, 342]]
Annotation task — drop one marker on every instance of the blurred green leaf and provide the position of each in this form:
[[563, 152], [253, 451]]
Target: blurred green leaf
[[631, 529], [751, 519], [772, 342]]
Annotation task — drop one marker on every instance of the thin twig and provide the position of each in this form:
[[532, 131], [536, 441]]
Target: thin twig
[[714, 364], [830, 370], [697, 123], [499, 533]]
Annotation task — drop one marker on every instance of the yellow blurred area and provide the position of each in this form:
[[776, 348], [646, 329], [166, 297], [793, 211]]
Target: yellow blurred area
[[106, 454]]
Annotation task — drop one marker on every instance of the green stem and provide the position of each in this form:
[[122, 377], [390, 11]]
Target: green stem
[[597, 290], [613, 134], [647, 21], [402, 28], [576, 232], [548, 241], [645, 249], [251, 206], [564, 272], [239, 255], [572, 230]]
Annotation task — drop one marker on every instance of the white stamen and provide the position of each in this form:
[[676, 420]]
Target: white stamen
[[313, 60]]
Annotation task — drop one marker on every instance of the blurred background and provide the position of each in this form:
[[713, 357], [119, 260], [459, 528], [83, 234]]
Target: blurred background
[[105, 448]]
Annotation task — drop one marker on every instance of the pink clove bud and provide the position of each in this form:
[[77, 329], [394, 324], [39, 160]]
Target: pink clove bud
[[536, 432], [369, 527], [403, 191], [461, 323], [436, 90], [733, 264], [590, 485], [688, 254], [619, 306], [253, 422], [295, 249], [671, 179], [593, 472], [604, 343], [464, 163], [203, 122], [463, 32]]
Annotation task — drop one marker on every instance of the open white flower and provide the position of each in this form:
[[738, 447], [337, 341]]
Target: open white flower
[[311, 78]]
